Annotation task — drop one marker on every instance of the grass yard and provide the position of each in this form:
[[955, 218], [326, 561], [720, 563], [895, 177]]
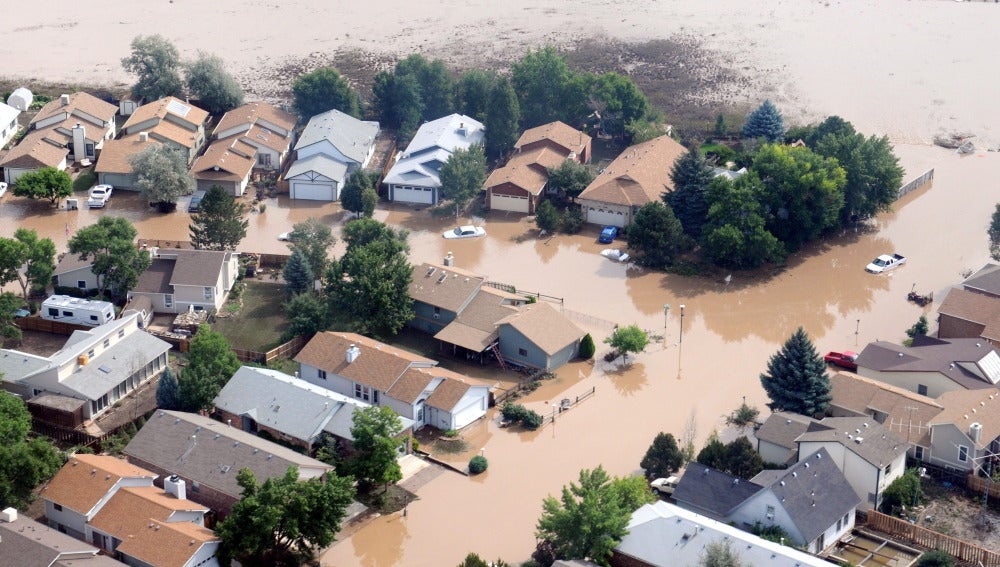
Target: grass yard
[[260, 322]]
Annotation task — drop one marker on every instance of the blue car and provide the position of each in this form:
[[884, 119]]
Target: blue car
[[608, 234]]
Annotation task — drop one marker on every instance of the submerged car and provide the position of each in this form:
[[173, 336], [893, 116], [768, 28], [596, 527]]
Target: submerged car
[[608, 234], [99, 195], [285, 236], [885, 262], [467, 231], [844, 359], [3, 188]]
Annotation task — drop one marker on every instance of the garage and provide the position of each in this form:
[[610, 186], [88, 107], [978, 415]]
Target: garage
[[604, 217], [466, 415], [515, 203], [120, 181], [312, 191], [406, 194]]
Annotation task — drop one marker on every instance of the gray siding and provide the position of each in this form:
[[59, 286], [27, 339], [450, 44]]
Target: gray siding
[[122, 181], [424, 320], [516, 348]]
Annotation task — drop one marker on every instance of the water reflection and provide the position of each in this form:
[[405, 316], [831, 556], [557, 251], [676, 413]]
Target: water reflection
[[381, 544]]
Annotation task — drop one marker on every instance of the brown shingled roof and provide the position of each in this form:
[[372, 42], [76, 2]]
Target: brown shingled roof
[[231, 158], [84, 102], [250, 112], [410, 385], [974, 307], [447, 394], [545, 327], [451, 293], [907, 413], [529, 171], [115, 156], [639, 175], [160, 109], [379, 365], [85, 479], [559, 132], [36, 150], [965, 407]]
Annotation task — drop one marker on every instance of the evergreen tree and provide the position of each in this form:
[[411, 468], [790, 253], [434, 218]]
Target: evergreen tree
[[691, 177], [742, 459], [663, 458], [351, 196], [168, 393], [796, 379], [655, 236], [298, 274], [502, 118], [369, 200], [765, 122], [993, 232], [220, 223], [713, 454], [547, 217], [587, 347], [307, 314], [211, 363]]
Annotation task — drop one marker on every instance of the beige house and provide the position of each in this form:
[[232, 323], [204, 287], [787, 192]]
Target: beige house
[[930, 366], [973, 310], [639, 175], [182, 280], [966, 431]]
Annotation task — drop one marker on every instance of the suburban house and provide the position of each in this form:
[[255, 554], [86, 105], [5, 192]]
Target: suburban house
[[518, 186], [475, 320], [288, 408], [25, 538], [112, 504], [973, 310], [639, 175], [181, 280], [72, 128], [8, 123], [966, 431], [869, 455], [665, 534], [168, 121], [811, 500], [901, 411], [71, 271], [94, 369], [776, 437], [227, 163], [206, 455], [332, 146], [414, 178], [382, 375], [930, 366]]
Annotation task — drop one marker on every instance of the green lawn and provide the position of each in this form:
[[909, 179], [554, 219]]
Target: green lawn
[[84, 181], [260, 322]]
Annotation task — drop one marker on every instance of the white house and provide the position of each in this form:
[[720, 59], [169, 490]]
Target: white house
[[415, 176], [332, 147], [8, 123], [178, 280]]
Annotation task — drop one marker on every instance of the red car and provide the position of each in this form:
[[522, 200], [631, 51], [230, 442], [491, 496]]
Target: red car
[[844, 359]]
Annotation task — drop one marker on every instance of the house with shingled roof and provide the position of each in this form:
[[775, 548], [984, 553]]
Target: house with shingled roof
[[639, 175], [967, 431], [931, 366], [37, 545], [382, 375], [776, 437], [972, 310], [178, 279], [414, 178], [206, 455], [269, 129], [559, 137], [71, 271], [72, 128], [332, 146]]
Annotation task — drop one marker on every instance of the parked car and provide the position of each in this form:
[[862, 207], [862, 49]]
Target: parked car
[[3, 188], [665, 486], [467, 231], [285, 236], [885, 262], [99, 195], [196, 201], [608, 234], [21, 313], [844, 359]]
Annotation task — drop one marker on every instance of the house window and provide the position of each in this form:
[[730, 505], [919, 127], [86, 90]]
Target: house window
[[888, 469], [89, 150], [168, 301], [208, 293], [90, 353], [522, 352], [107, 343], [53, 312], [921, 389], [846, 517], [82, 284], [362, 392], [963, 454], [93, 318], [195, 486], [321, 374], [918, 453], [121, 333], [838, 525], [264, 160], [58, 507], [437, 310]]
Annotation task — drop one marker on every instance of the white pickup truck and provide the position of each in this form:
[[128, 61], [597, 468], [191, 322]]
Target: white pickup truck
[[99, 195], [885, 262]]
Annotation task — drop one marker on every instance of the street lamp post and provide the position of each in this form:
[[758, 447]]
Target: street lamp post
[[666, 310], [681, 338], [857, 327]]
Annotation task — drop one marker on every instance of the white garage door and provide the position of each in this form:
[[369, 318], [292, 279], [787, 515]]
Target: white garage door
[[311, 191], [413, 194], [598, 215], [468, 414], [514, 203]]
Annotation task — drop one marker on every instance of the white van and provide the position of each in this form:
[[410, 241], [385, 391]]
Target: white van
[[78, 311]]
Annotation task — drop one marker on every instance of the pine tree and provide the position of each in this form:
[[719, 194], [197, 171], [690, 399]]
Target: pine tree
[[663, 457], [587, 347], [765, 122], [691, 177], [298, 274], [796, 379], [220, 223], [168, 392]]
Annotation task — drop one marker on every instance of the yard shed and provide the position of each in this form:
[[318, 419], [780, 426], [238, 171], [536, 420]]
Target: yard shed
[[21, 99]]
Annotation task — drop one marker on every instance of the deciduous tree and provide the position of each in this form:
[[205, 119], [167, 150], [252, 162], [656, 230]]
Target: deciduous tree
[[906, 490], [503, 116], [628, 339], [472, 93], [211, 363], [314, 239], [743, 417], [307, 314], [734, 234], [721, 554], [541, 79], [663, 458], [375, 430], [796, 379], [9, 304], [39, 262], [220, 223], [656, 236], [547, 217], [157, 64], [45, 183], [572, 177], [764, 122], [322, 90], [936, 558], [692, 178], [109, 245], [994, 234], [919, 328], [24, 464], [12, 256], [208, 80], [162, 175], [351, 196], [463, 175], [298, 274], [15, 420], [622, 101]]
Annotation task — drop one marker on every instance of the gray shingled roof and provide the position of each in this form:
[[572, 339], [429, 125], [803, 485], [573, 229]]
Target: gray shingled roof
[[351, 137], [782, 428], [115, 365], [434, 143], [321, 164], [712, 492], [971, 363], [27, 543], [986, 279]]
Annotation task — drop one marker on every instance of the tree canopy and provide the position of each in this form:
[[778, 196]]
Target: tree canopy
[[161, 173], [628, 339], [905, 491], [168, 392], [208, 80], [473, 92], [283, 519], [352, 196], [463, 175], [39, 260], [211, 363], [220, 223], [734, 234], [298, 274], [375, 430], [796, 379], [314, 239], [24, 463], [656, 236], [547, 217], [541, 79], [993, 232], [157, 64], [322, 90], [12, 255], [416, 90], [764, 122], [572, 177], [721, 554], [44, 183], [109, 244], [738, 457], [307, 314], [692, 177], [663, 458], [502, 120], [936, 558]]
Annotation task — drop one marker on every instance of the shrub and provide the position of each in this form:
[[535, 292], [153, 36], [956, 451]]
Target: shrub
[[478, 464], [587, 347], [572, 221], [512, 412], [451, 433], [531, 419]]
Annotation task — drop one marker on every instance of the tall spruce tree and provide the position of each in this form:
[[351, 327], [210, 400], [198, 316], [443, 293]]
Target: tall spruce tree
[[691, 177], [168, 391], [220, 223], [298, 274], [796, 378], [765, 122], [663, 457]]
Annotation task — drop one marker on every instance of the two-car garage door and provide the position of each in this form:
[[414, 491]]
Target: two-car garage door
[[602, 216], [407, 194], [312, 191], [515, 203]]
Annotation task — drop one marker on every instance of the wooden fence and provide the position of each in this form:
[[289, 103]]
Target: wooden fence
[[36, 323], [287, 350], [917, 183], [930, 539]]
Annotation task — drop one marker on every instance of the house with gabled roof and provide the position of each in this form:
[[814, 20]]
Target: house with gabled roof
[[414, 178], [227, 163], [972, 310], [538, 336], [966, 431], [94, 369], [332, 146], [288, 408], [931, 366], [269, 129], [639, 175], [206, 455], [382, 375], [558, 137], [71, 271], [72, 128], [776, 437], [35, 544], [179, 279]]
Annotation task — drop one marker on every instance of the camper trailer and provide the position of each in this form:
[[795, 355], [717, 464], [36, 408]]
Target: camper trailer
[[77, 311]]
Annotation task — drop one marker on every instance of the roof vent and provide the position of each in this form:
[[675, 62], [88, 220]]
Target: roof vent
[[736, 481], [979, 345], [353, 353], [443, 277], [819, 455], [782, 483], [865, 424], [788, 422], [795, 474], [899, 354], [807, 465], [430, 271], [859, 440]]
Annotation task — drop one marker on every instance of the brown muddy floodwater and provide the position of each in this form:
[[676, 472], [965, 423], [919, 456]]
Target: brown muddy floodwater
[[729, 331]]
